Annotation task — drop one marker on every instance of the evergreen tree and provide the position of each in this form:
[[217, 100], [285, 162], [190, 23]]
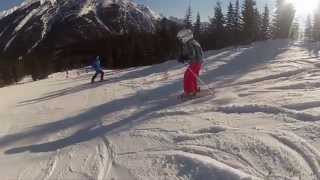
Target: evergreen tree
[[218, 20], [188, 18], [308, 31], [316, 25], [265, 27], [218, 24], [197, 27], [284, 16], [216, 29], [276, 19], [257, 24], [230, 18], [249, 17], [166, 44], [295, 30], [123, 21], [237, 23], [233, 24]]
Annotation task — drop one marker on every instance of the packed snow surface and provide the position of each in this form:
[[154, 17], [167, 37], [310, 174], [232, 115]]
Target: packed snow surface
[[261, 123]]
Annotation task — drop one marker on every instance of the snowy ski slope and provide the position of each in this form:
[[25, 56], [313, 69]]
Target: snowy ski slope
[[262, 123]]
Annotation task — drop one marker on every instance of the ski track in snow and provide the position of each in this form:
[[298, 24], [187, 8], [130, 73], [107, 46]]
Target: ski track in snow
[[51, 169], [269, 110], [261, 123], [215, 169]]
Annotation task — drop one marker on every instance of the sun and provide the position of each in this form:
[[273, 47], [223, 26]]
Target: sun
[[304, 7]]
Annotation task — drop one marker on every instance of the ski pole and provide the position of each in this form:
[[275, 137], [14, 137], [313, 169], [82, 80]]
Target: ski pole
[[202, 82]]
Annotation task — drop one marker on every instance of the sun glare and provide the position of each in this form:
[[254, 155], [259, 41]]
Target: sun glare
[[304, 7]]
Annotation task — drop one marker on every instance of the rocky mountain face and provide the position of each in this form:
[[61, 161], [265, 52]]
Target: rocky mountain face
[[57, 23]]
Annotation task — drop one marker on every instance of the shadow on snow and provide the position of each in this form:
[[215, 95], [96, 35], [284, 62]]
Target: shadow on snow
[[90, 122]]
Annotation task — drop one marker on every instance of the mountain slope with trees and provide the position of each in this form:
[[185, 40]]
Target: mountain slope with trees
[[123, 33]]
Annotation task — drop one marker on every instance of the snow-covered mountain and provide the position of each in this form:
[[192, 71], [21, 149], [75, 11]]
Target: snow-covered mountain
[[25, 27], [176, 20]]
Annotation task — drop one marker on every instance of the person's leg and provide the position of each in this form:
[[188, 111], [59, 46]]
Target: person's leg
[[193, 78], [188, 81], [196, 70], [94, 77], [185, 86], [102, 75]]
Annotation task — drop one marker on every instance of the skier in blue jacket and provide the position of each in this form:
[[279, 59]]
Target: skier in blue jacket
[[97, 67]]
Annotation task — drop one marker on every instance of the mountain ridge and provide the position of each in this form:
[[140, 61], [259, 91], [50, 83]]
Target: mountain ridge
[[25, 27]]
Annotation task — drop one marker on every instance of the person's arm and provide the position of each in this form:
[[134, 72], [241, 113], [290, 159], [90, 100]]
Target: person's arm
[[191, 51], [183, 56], [198, 53]]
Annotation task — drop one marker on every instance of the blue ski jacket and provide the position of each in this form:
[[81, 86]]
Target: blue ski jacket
[[97, 64]]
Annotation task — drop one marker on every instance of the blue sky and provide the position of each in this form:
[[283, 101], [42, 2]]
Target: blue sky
[[175, 8], [6, 4]]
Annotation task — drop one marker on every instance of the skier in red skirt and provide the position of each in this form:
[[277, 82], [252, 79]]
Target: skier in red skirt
[[191, 52]]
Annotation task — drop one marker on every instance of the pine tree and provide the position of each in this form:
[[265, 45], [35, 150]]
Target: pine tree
[[197, 27], [123, 21], [276, 19], [218, 20], [295, 30], [284, 16], [308, 35], [188, 18], [316, 25], [216, 30], [249, 17], [289, 15], [230, 18], [237, 24], [257, 24], [265, 27]]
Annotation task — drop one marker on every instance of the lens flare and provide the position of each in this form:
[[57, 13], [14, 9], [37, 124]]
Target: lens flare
[[304, 7]]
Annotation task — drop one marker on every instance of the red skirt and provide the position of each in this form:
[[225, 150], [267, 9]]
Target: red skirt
[[191, 78]]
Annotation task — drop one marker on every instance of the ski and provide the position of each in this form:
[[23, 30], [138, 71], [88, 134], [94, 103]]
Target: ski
[[200, 94]]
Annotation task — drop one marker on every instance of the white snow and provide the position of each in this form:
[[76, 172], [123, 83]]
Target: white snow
[[51, 1], [24, 4], [107, 3], [262, 122], [25, 20], [88, 7], [8, 12], [9, 43], [149, 12]]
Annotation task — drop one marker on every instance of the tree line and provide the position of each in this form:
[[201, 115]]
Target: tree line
[[242, 23], [121, 50], [312, 28]]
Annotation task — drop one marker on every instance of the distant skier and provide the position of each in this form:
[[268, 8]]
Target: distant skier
[[97, 67], [191, 52]]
